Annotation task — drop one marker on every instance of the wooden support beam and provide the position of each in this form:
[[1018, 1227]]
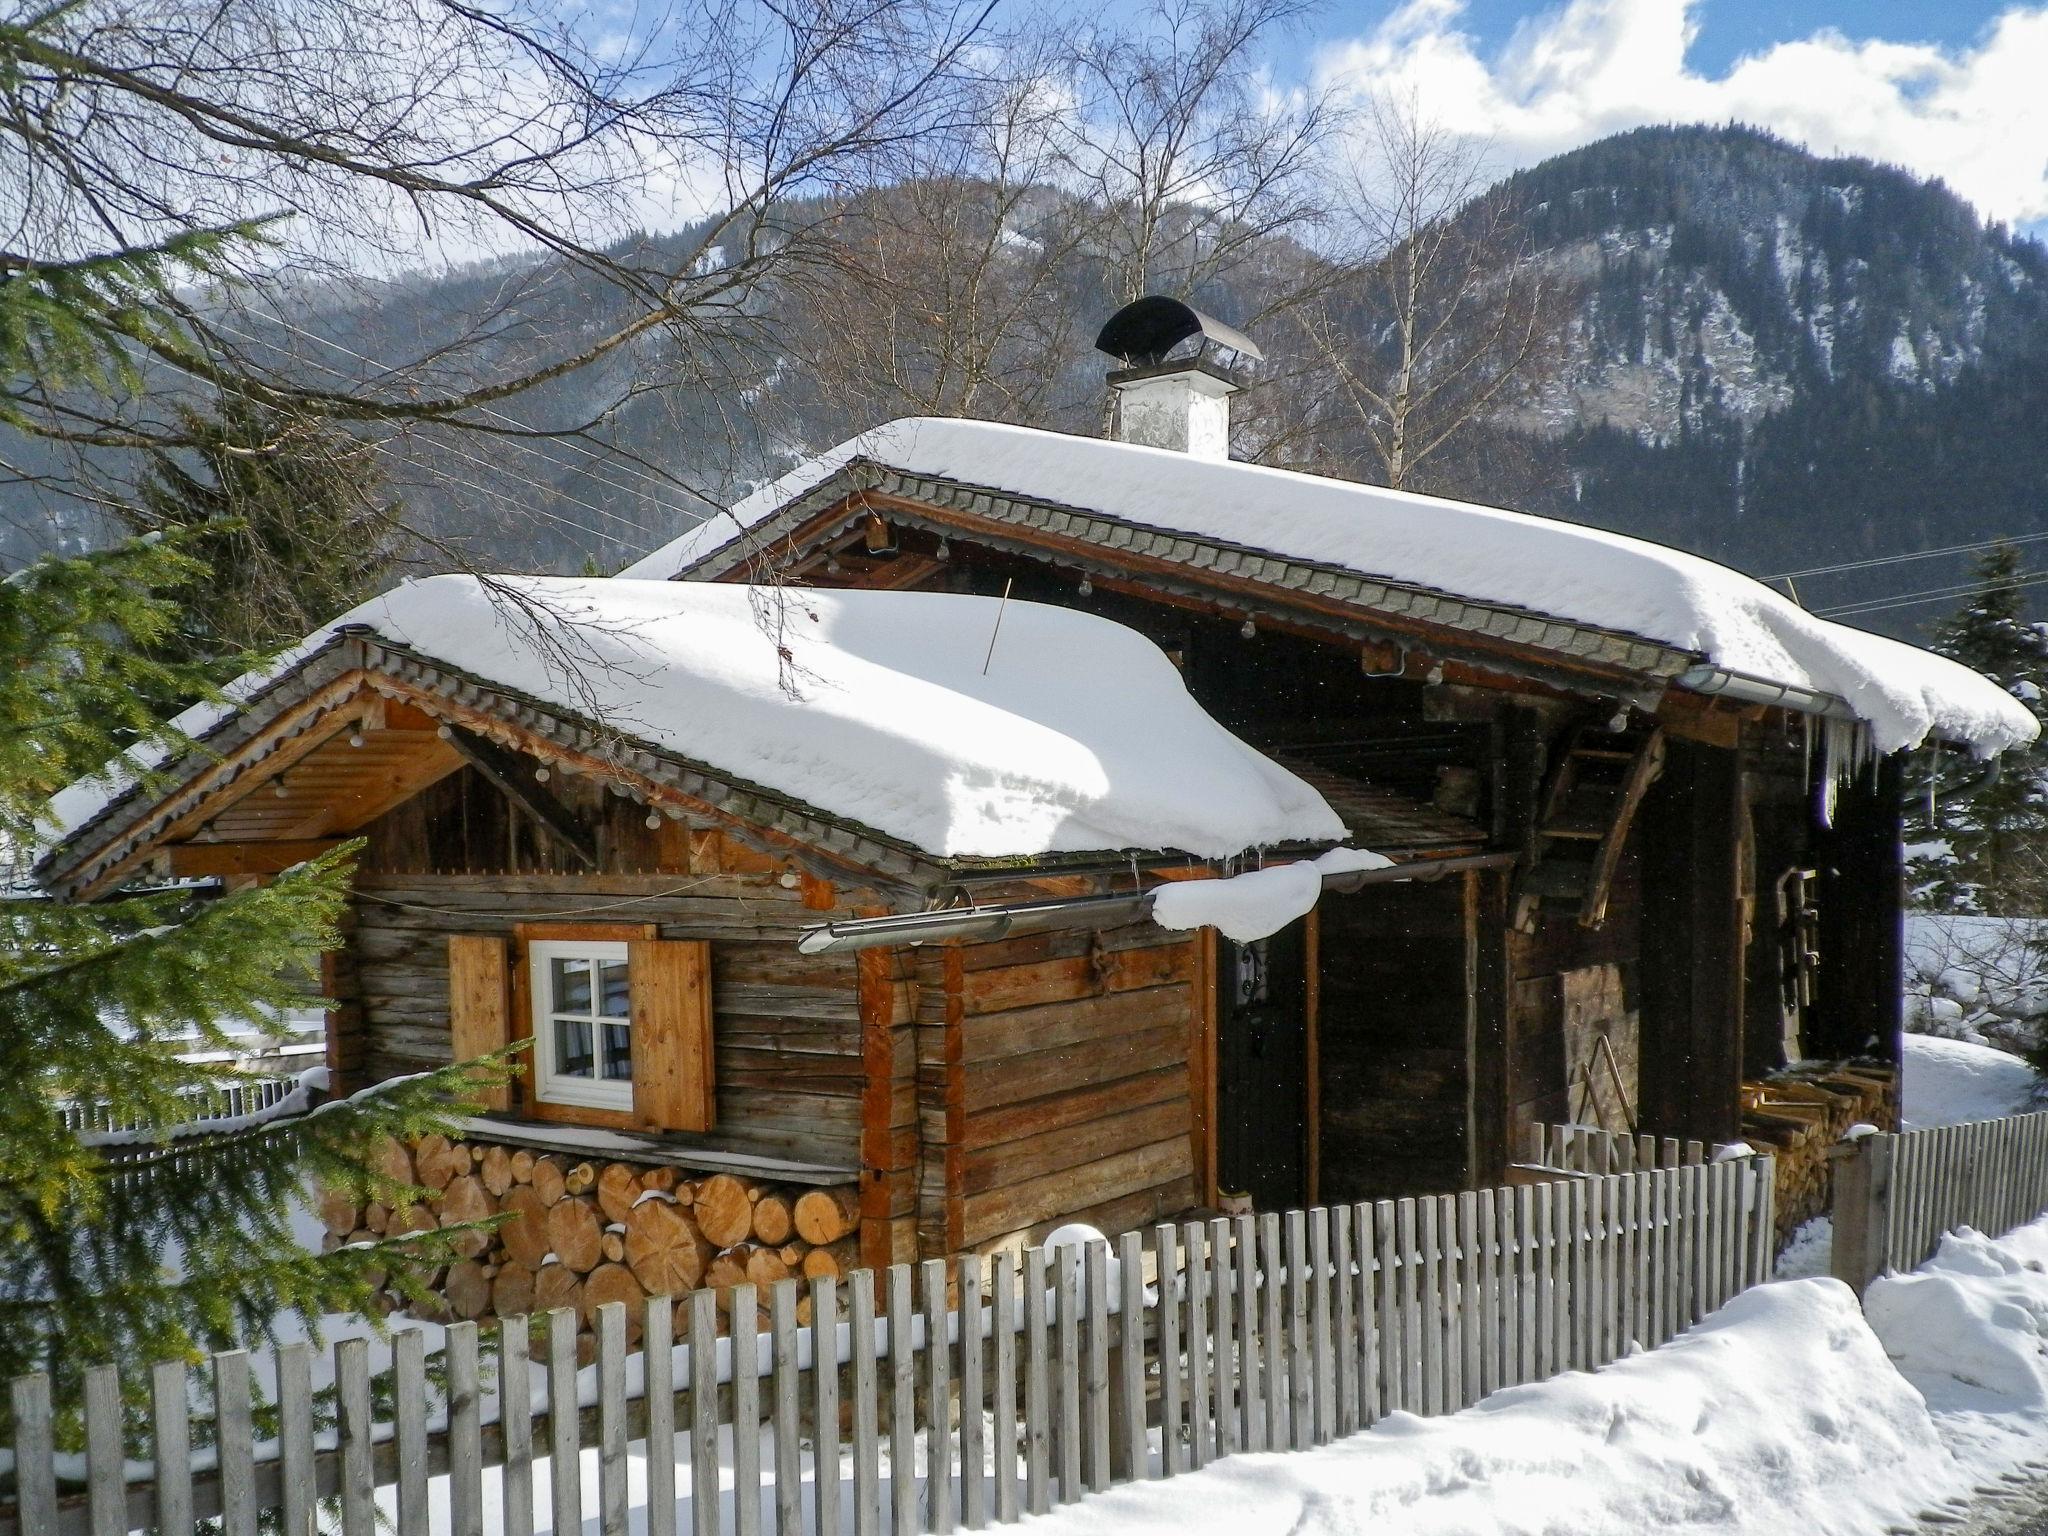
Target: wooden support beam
[[195, 861], [513, 775]]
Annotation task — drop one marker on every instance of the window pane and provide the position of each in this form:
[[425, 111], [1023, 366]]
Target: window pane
[[612, 989], [573, 1048], [618, 1052], [572, 986]]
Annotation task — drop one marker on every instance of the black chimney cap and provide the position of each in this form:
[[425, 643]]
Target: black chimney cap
[[1145, 331]]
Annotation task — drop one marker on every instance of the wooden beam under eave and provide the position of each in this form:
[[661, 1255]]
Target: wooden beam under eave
[[196, 861], [513, 775]]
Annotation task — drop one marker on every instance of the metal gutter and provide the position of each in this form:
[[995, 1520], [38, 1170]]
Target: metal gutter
[[1719, 682], [985, 923]]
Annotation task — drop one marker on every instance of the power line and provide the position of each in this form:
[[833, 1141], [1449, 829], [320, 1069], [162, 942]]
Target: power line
[[639, 528], [484, 410], [1921, 554], [1927, 595]]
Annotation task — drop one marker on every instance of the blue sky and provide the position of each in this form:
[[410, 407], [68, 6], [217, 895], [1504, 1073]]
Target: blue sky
[[1957, 89]]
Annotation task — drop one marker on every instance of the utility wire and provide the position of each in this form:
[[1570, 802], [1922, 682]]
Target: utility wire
[[1928, 595], [552, 491], [1921, 554], [485, 410]]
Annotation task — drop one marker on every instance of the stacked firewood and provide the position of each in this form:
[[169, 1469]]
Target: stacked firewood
[[1800, 1113], [581, 1233]]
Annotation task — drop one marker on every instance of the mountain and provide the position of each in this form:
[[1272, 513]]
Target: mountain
[[1775, 359], [1785, 361]]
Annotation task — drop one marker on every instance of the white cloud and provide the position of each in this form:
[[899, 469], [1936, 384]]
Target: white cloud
[[1976, 117]]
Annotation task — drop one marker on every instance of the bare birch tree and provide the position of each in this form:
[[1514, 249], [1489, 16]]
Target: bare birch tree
[[1443, 317]]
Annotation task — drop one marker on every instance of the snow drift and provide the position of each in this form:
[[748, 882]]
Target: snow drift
[[1560, 569]]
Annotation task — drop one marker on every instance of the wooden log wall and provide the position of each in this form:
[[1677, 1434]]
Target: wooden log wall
[[1397, 1041], [1053, 1085], [460, 859], [577, 1233], [1542, 966]]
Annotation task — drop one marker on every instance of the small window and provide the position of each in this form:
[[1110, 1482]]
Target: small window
[[582, 1023]]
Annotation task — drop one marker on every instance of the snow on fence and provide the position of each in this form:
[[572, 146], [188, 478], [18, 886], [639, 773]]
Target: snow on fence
[[1076, 1367], [235, 1102], [1895, 1195]]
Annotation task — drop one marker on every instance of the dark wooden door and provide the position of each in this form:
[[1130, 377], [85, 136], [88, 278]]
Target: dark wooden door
[[1262, 1069]]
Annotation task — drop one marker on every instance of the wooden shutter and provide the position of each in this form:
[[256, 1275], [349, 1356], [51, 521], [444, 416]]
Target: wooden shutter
[[671, 982], [479, 1006]]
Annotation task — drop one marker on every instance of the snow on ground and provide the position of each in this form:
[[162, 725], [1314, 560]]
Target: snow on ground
[[963, 725], [1976, 978], [1946, 1082], [1553, 567], [1788, 1410]]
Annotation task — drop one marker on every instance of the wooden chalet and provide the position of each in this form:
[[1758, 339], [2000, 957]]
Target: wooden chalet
[[606, 827], [1663, 801]]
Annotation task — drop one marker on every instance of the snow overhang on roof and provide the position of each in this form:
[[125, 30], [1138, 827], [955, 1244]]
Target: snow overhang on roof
[[959, 727], [1586, 596]]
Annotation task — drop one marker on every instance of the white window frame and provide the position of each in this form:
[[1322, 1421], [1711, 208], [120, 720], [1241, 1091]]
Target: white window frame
[[550, 1086]]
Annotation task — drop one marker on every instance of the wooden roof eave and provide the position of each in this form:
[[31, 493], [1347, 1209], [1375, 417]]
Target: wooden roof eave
[[311, 702], [1513, 643]]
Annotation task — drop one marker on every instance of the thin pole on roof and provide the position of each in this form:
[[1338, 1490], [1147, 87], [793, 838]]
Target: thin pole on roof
[[991, 656]]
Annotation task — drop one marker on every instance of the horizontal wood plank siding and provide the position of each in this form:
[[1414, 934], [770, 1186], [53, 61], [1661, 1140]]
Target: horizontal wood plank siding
[[459, 859], [1068, 1083]]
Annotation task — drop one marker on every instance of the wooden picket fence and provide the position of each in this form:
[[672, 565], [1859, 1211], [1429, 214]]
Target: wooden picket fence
[[1896, 1195], [224, 1101], [1075, 1368], [1572, 1150]]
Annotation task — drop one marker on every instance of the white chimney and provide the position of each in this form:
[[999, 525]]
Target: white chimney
[[1186, 409], [1178, 376]]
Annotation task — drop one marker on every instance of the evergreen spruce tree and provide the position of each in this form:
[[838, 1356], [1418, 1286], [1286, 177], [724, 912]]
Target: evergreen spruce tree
[[285, 515], [1992, 823], [134, 1254]]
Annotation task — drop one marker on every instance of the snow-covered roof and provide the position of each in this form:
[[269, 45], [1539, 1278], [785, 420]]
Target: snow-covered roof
[[1574, 574], [910, 713]]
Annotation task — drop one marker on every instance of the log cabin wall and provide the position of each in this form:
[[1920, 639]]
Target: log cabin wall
[[460, 858], [1568, 985], [1054, 1084]]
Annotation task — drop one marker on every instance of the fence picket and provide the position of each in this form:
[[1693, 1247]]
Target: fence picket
[[1349, 1274], [1387, 1386], [1451, 1275], [1254, 1381], [1095, 1368], [1067, 1373], [1472, 1324], [1130, 1357], [938, 1463], [658, 1366], [1172, 1398], [106, 1477], [973, 1392], [170, 1415], [611, 1418], [902, 1402], [1364, 1255], [1493, 1318], [565, 1452], [409, 1398], [1003, 1394], [358, 1481], [1300, 1396], [1321, 1345], [784, 1412], [465, 1433], [867, 1450], [743, 1324], [1431, 1298], [825, 1499], [515, 1422], [1037, 1396], [1201, 1445], [1264, 1340], [1222, 1361]]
